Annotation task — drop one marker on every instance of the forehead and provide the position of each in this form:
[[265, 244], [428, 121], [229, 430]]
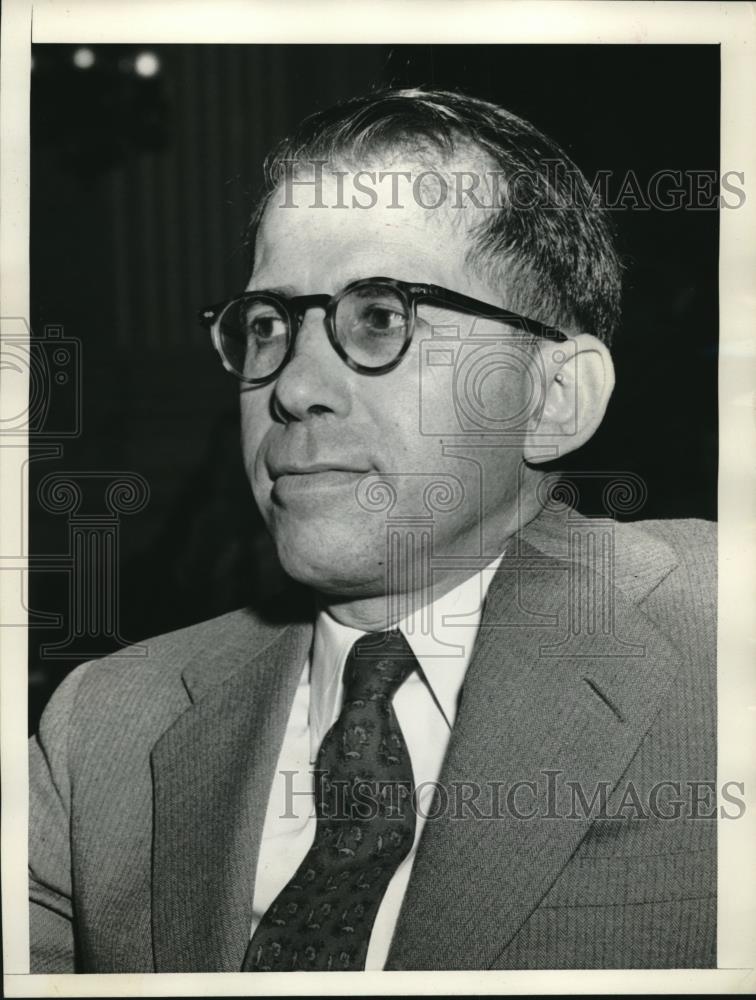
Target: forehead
[[322, 230]]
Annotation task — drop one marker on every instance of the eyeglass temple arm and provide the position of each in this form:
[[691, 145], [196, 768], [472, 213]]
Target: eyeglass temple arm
[[485, 309], [208, 315]]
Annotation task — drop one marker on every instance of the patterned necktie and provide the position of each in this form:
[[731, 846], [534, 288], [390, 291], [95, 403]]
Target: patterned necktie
[[322, 919]]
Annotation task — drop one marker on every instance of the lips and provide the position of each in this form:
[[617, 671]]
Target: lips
[[303, 457], [305, 478], [314, 468], [304, 484]]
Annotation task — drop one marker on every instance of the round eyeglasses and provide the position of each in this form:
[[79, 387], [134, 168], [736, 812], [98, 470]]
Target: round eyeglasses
[[369, 323]]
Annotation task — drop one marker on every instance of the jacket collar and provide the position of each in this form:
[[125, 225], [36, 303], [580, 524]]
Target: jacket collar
[[537, 699], [212, 772]]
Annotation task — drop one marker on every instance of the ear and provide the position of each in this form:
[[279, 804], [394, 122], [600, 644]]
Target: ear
[[579, 379]]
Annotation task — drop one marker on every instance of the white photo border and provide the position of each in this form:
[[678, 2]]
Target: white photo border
[[730, 25]]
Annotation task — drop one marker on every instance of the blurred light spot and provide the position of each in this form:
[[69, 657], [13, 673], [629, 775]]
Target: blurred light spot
[[146, 64], [83, 58]]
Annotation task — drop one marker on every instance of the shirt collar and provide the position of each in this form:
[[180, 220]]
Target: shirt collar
[[441, 635]]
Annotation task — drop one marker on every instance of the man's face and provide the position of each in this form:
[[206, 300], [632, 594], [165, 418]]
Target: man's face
[[312, 436]]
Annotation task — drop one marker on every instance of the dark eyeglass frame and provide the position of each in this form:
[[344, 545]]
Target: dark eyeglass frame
[[295, 307]]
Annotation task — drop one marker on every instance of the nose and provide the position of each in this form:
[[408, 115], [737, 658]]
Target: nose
[[314, 381]]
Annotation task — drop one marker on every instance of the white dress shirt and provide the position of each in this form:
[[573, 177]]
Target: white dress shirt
[[441, 636]]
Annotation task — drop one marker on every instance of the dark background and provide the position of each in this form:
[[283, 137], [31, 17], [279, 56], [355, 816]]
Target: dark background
[[141, 186]]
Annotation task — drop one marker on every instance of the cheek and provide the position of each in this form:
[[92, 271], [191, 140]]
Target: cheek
[[389, 410], [509, 400], [452, 399], [255, 424]]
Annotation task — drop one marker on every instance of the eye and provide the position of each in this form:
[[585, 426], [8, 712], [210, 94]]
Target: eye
[[382, 319], [266, 328], [263, 323], [371, 324]]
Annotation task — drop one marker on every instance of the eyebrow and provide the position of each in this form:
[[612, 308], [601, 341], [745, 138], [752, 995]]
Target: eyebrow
[[289, 291]]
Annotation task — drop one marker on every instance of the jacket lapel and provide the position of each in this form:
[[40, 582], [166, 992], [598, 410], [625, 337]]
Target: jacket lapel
[[212, 773], [526, 709]]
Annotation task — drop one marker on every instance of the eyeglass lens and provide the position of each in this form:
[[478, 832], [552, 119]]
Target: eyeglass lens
[[370, 325], [253, 336]]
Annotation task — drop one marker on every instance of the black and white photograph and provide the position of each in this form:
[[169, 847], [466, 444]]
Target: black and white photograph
[[368, 428]]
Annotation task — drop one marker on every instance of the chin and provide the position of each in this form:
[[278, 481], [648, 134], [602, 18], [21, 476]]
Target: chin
[[330, 566]]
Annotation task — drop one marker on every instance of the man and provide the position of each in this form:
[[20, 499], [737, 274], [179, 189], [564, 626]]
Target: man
[[480, 732]]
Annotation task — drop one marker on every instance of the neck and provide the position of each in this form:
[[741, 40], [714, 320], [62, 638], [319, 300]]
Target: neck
[[385, 610]]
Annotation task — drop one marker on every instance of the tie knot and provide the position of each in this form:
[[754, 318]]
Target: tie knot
[[377, 665]]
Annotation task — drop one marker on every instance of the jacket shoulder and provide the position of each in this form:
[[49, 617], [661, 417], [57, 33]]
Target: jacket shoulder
[[688, 537], [684, 600], [667, 567], [141, 688], [643, 554], [689, 546]]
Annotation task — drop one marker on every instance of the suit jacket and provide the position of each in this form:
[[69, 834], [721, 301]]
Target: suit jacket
[[593, 669]]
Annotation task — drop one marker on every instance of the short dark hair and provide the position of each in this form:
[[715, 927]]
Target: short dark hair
[[559, 255]]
